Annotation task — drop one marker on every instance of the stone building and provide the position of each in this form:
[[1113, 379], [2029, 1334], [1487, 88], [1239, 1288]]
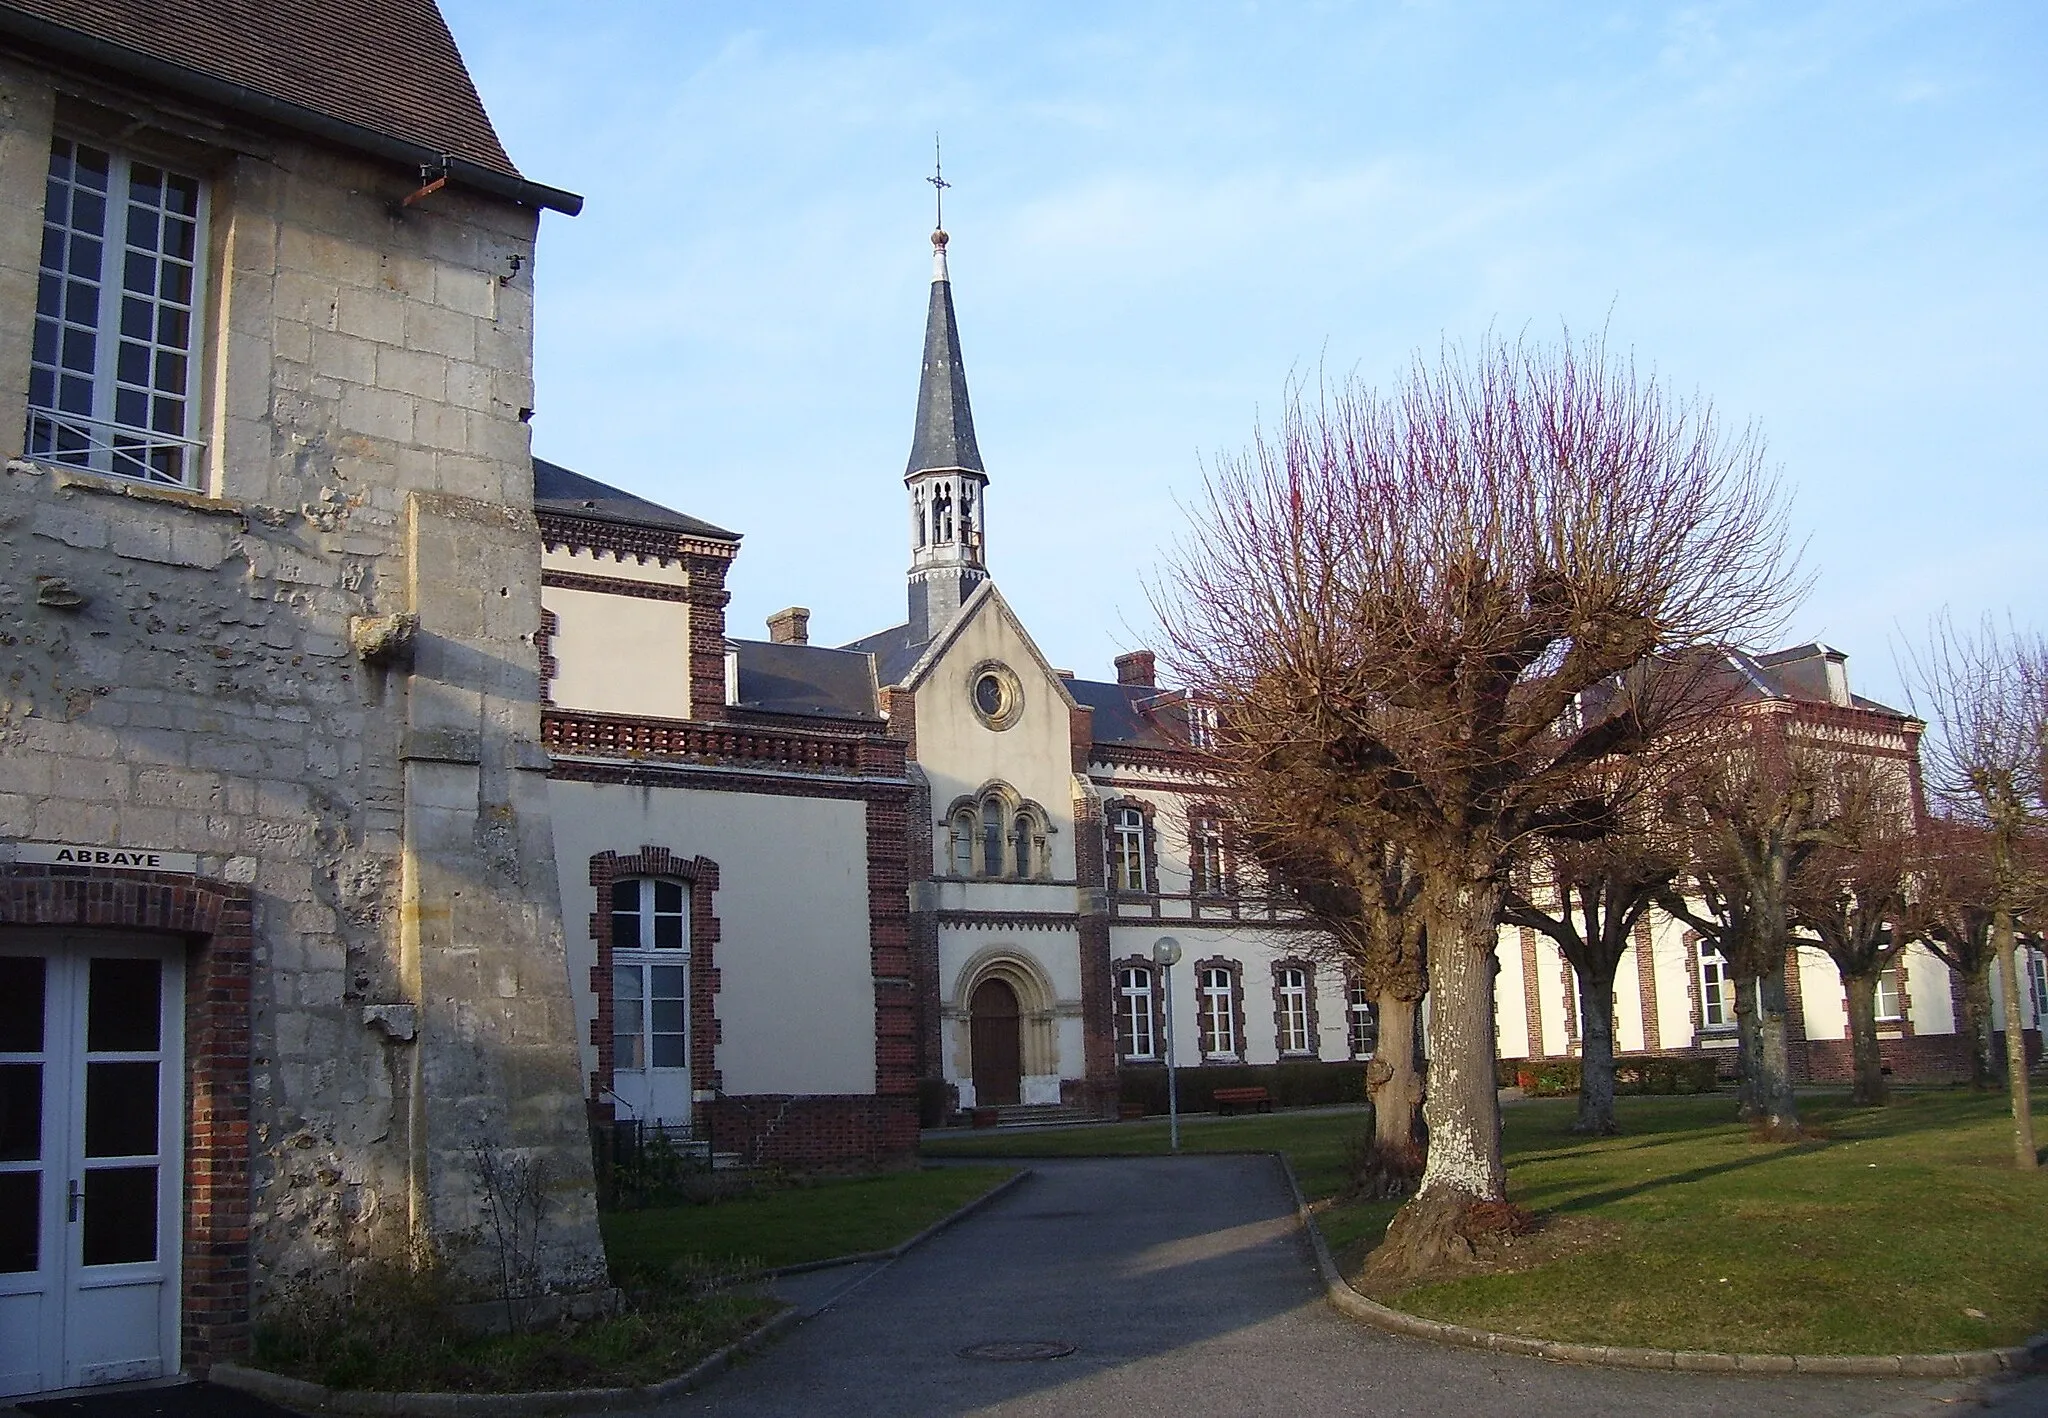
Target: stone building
[[279, 934]]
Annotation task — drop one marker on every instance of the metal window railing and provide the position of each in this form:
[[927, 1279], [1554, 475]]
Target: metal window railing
[[102, 446]]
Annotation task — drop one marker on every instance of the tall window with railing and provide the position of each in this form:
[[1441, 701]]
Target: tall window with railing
[[1127, 850], [111, 370], [650, 939], [1293, 1029], [1717, 992], [1134, 1033]]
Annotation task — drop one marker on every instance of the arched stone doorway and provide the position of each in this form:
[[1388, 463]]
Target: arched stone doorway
[[996, 1043]]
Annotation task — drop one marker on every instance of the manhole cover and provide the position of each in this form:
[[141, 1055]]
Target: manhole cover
[[1012, 1351]]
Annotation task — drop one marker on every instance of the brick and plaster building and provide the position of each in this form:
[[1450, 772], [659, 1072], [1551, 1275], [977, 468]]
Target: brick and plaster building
[[279, 933], [1044, 830]]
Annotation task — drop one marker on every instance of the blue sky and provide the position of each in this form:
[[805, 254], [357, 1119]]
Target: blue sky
[[1826, 218]]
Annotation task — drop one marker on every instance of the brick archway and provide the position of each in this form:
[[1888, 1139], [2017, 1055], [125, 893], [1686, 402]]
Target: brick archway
[[214, 920]]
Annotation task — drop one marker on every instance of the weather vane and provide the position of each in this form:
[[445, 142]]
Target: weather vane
[[938, 182]]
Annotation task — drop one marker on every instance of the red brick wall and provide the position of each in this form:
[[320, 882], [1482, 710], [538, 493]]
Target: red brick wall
[[817, 1132], [214, 919]]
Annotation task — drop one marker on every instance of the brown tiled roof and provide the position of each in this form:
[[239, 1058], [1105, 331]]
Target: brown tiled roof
[[390, 66]]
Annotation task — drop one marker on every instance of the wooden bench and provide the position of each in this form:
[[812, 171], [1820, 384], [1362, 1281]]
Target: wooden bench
[[1229, 1100]]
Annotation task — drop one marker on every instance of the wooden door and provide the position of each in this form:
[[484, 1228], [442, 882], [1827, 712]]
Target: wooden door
[[997, 1043]]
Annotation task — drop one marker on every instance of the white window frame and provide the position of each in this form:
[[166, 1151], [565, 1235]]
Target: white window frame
[[1291, 986], [1216, 1011], [1127, 850], [1717, 991], [2037, 981], [1891, 983], [98, 439], [1135, 1011], [1201, 727], [653, 948], [1361, 1021], [1207, 873]]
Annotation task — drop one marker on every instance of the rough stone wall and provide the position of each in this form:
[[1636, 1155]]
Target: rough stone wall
[[365, 376]]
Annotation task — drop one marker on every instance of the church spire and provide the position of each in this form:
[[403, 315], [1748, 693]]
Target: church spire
[[946, 480], [944, 436]]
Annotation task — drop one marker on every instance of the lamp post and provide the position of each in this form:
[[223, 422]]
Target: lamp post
[[1166, 955]]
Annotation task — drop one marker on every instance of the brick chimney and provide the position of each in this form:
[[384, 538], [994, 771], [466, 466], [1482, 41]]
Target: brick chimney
[[1137, 668], [790, 627]]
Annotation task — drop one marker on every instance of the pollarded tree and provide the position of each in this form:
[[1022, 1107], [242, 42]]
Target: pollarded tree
[[1364, 895], [1754, 813], [1589, 898], [1986, 692], [1414, 590], [1953, 873], [1859, 896]]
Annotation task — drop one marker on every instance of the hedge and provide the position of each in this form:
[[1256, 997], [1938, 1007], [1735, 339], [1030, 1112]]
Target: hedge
[[1554, 1078], [1307, 1083]]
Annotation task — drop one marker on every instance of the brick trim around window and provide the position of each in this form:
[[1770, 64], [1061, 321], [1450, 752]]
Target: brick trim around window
[[701, 876], [1146, 963], [1150, 853], [1221, 962], [215, 919], [1315, 1038]]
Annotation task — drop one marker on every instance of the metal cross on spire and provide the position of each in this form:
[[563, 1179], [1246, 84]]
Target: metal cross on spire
[[939, 183]]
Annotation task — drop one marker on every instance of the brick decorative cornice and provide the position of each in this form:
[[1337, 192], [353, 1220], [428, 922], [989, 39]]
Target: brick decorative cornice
[[1012, 920], [558, 531], [1141, 756], [614, 586], [582, 733], [730, 780]]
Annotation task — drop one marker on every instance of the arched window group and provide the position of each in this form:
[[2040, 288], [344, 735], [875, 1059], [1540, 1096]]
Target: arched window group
[[999, 836]]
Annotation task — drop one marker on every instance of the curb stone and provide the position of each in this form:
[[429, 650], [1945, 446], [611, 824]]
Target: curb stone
[[302, 1393], [2031, 1356]]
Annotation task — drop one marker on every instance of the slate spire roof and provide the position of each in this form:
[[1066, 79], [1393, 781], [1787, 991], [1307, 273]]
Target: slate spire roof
[[944, 438]]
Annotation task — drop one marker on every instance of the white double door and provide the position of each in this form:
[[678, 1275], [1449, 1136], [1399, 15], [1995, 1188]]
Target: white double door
[[91, 1145]]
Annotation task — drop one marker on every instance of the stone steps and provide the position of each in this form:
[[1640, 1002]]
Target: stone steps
[[1042, 1115]]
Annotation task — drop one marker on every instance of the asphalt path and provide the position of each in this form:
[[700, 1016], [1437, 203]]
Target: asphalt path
[[1184, 1287]]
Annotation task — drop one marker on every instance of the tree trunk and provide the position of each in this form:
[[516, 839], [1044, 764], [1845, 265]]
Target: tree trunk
[[1867, 1090], [1464, 1182], [1778, 1106], [1977, 1026], [1749, 1049], [1596, 1054], [2024, 1155], [1394, 1085]]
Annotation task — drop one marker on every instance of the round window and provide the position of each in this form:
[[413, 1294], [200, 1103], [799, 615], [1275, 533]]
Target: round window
[[998, 698]]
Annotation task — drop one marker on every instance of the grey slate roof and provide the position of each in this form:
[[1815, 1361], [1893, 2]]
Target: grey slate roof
[[944, 437], [1133, 715], [557, 489], [813, 681], [894, 651], [387, 68]]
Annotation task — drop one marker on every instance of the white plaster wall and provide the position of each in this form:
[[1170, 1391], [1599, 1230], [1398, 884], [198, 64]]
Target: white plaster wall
[[1931, 1006], [1820, 994], [623, 568], [1510, 1019], [1550, 994], [1628, 1003], [796, 1006], [619, 654], [960, 754], [1677, 1027]]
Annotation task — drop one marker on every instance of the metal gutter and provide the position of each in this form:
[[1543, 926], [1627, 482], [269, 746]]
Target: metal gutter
[[240, 98]]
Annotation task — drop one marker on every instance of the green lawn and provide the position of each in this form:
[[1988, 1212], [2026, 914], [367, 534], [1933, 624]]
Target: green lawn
[[1879, 1237], [788, 1226]]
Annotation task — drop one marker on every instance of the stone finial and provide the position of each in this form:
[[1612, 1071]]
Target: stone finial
[[383, 639], [790, 627]]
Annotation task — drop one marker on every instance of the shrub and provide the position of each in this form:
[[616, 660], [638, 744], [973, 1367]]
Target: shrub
[[1299, 1083], [1555, 1078]]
